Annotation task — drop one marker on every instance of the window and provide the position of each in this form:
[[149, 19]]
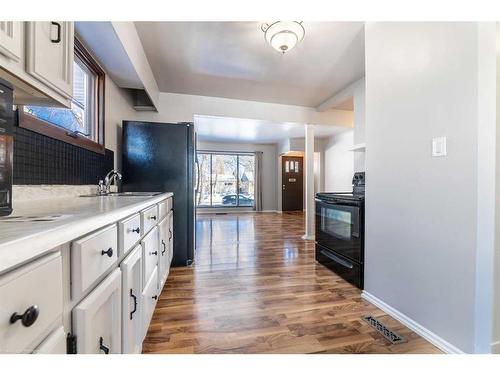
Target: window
[[225, 180], [83, 123]]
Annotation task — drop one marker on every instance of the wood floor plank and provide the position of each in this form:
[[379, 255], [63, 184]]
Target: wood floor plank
[[255, 287]]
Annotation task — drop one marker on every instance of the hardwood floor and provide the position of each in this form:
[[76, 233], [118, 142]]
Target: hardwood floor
[[256, 288]]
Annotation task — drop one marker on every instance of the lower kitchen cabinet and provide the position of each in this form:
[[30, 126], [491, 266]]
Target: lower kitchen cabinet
[[150, 254], [171, 235], [149, 298], [54, 344], [131, 268], [97, 319], [164, 256]]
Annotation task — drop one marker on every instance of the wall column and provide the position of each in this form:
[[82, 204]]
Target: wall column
[[309, 176]]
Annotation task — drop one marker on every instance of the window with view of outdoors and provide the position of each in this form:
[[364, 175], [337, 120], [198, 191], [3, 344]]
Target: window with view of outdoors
[[225, 180], [80, 117]]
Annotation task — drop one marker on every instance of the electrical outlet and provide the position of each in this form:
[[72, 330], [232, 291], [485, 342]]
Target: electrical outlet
[[439, 146]]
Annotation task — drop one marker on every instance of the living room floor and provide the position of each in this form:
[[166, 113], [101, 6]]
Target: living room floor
[[255, 288]]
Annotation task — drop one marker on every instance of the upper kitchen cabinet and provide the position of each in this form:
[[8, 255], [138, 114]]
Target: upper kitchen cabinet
[[37, 58], [49, 54], [11, 39]]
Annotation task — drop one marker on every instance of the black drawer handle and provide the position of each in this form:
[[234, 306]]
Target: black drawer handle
[[58, 39], [153, 217], [137, 230], [102, 347], [170, 234], [109, 253], [28, 318], [135, 304], [155, 297], [153, 253], [164, 247], [337, 259]]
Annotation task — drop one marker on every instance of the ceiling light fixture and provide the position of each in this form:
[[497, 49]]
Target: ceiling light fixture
[[283, 35]]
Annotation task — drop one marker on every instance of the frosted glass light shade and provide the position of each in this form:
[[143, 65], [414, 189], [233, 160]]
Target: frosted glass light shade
[[283, 35]]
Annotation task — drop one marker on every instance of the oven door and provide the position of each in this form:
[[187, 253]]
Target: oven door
[[340, 228]]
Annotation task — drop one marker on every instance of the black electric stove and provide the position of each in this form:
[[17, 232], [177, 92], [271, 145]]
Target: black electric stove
[[340, 231]]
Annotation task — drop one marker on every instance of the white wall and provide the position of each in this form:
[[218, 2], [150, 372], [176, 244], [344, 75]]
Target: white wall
[[422, 241], [269, 166], [496, 311], [180, 107], [118, 107], [359, 124], [339, 162]]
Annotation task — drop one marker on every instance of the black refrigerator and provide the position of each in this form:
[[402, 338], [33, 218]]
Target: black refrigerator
[[161, 157]]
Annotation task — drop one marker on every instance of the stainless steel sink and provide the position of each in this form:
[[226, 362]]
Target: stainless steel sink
[[126, 194]]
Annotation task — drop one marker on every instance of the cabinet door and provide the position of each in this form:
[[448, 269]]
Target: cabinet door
[[164, 261], [97, 319], [50, 54], [11, 39], [150, 254], [149, 296], [131, 302], [171, 234], [55, 343]]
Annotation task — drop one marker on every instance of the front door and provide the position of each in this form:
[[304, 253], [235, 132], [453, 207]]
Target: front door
[[292, 183]]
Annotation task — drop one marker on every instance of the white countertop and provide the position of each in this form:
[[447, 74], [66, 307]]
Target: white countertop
[[21, 242]]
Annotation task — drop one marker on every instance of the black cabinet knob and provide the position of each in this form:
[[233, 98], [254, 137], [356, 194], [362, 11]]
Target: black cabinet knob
[[28, 318], [153, 253], [103, 347], [154, 297], [153, 217], [109, 253], [136, 230]]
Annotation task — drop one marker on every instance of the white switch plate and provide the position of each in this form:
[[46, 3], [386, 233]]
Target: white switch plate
[[439, 146]]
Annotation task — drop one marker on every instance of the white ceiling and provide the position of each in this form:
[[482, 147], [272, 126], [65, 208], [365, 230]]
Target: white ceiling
[[236, 130], [232, 60]]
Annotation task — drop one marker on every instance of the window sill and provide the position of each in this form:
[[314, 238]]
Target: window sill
[[36, 125]]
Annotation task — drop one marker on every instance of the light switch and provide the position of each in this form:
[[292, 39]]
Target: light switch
[[439, 146]]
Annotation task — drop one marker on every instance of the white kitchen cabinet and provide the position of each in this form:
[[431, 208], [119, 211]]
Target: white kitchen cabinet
[[55, 343], [149, 298], [11, 39], [164, 258], [50, 54], [149, 254], [31, 304], [171, 234], [129, 234], [131, 302], [149, 218], [97, 319]]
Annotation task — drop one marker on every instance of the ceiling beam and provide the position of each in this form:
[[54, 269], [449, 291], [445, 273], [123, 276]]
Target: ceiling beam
[[340, 96]]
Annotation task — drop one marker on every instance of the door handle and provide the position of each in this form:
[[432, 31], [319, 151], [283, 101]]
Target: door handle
[[283, 187], [164, 247], [102, 347], [58, 39], [337, 259], [169, 234], [135, 304], [109, 253], [27, 318]]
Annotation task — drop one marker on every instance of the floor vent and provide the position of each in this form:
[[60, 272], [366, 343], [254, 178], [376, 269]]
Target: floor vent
[[392, 336]]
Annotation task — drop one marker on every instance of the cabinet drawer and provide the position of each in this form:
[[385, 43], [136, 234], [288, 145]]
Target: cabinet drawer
[[164, 207], [149, 254], [91, 257], [54, 344], [149, 299], [129, 233], [97, 319], [38, 287], [149, 218]]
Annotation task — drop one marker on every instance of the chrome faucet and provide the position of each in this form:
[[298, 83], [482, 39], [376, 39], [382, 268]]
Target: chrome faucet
[[104, 186]]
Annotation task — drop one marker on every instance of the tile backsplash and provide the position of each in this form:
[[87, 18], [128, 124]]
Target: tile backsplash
[[39, 159]]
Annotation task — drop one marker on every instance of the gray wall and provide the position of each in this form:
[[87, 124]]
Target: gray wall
[[339, 162], [269, 166], [422, 243]]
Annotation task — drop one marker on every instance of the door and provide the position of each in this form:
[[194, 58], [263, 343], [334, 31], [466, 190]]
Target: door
[[292, 183], [131, 302], [50, 54], [97, 319], [11, 39], [164, 262]]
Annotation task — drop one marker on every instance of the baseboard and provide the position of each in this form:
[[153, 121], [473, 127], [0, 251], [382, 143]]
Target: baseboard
[[495, 348], [434, 339], [312, 237]]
